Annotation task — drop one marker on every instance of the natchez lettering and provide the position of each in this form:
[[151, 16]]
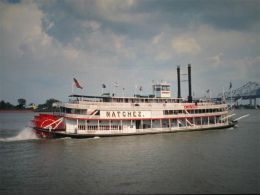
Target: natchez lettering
[[123, 114]]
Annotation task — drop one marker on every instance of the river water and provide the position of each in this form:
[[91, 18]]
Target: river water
[[217, 161]]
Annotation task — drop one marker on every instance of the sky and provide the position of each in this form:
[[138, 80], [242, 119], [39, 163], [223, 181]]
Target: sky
[[44, 44]]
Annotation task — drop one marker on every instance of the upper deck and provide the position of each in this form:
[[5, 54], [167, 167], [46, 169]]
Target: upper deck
[[116, 99], [136, 103], [159, 104]]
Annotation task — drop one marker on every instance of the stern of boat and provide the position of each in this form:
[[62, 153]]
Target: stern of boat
[[47, 125]]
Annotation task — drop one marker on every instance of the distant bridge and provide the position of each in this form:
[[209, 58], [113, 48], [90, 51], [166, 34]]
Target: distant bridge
[[250, 90]]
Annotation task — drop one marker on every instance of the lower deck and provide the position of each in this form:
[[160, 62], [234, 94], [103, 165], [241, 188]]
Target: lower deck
[[76, 126]]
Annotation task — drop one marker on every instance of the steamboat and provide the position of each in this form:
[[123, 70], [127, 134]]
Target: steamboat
[[109, 115]]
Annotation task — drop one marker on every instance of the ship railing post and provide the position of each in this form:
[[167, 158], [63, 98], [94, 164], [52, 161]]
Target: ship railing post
[[76, 129], [227, 121]]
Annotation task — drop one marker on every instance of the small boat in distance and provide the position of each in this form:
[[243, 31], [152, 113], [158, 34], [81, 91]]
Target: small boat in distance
[[108, 115]]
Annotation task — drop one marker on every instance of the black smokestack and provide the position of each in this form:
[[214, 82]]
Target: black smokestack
[[179, 81], [189, 81]]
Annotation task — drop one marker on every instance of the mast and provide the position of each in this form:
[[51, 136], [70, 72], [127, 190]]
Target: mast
[[179, 82], [189, 83]]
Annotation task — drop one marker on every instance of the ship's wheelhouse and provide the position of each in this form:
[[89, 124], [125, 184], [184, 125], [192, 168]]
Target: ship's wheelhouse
[[162, 90]]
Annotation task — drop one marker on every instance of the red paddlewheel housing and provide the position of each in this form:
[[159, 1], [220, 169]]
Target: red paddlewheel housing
[[43, 120]]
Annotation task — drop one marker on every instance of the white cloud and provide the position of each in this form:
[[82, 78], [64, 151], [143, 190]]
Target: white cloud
[[71, 53], [186, 45], [163, 55], [247, 67], [215, 60], [157, 39], [92, 24], [96, 52], [28, 52], [114, 5]]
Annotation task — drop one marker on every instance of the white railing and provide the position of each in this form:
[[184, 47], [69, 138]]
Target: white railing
[[142, 105], [96, 131]]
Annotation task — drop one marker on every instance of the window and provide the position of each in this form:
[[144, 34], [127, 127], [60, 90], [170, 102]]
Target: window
[[75, 111], [168, 112], [166, 88], [68, 110], [81, 127], [165, 112], [78, 111]]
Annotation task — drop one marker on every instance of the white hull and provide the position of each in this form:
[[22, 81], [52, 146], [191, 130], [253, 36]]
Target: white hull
[[110, 133]]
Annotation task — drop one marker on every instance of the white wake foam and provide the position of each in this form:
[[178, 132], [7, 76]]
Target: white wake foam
[[26, 134]]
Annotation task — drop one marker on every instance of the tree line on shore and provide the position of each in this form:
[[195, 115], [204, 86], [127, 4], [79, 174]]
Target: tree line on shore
[[21, 105]]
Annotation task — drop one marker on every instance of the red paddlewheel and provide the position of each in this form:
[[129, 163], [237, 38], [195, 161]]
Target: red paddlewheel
[[43, 134], [43, 120], [48, 122]]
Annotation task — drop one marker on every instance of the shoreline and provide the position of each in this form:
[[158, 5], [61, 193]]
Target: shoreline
[[16, 110]]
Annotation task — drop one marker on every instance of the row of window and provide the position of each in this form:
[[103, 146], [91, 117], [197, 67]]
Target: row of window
[[73, 111], [196, 111], [165, 123], [161, 88], [100, 127], [144, 100]]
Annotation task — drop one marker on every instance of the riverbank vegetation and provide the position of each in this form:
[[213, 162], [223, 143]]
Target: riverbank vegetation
[[22, 106]]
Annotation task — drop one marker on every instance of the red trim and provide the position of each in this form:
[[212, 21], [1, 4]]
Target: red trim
[[116, 119]]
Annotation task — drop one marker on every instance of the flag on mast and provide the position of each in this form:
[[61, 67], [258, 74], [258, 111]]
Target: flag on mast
[[116, 84], [230, 85], [77, 84]]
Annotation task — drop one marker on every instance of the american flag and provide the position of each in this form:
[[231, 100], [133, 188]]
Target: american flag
[[77, 84]]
